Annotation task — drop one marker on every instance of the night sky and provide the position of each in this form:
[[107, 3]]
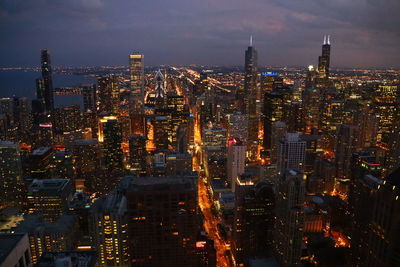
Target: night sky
[[213, 32]]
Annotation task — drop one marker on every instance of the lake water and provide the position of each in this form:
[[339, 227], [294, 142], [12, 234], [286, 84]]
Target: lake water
[[22, 84]]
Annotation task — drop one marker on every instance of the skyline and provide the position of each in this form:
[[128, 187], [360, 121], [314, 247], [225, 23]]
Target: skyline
[[93, 32]]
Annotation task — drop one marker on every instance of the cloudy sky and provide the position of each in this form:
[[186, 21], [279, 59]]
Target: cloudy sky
[[286, 32]]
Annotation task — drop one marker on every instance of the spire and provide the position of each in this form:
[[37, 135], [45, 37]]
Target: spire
[[329, 41], [251, 40], [324, 39]]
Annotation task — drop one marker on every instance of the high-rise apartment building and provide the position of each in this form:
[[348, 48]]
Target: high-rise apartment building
[[136, 69]]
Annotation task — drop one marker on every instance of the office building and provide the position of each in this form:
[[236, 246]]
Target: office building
[[89, 98], [108, 228], [163, 223], [137, 79], [10, 174], [289, 224], [291, 155], [47, 78], [68, 259], [110, 134], [138, 154], [49, 197], [324, 59], [108, 95], [236, 161], [58, 236]]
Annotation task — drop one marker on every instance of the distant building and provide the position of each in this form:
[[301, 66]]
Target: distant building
[[138, 154]]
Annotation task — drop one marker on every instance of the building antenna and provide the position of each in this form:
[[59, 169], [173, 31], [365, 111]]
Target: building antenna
[[251, 40], [324, 39], [329, 41]]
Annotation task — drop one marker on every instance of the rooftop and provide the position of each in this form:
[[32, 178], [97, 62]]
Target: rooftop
[[7, 244]]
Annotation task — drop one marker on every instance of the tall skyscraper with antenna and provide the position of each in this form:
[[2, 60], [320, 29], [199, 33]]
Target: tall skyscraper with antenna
[[324, 59], [250, 99]]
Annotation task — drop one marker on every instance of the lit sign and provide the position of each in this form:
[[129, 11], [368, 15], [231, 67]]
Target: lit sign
[[201, 244], [46, 125], [269, 73]]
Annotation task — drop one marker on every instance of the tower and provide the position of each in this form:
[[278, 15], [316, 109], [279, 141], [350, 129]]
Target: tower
[[291, 155], [236, 160], [324, 59], [47, 80], [160, 90], [136, 69]]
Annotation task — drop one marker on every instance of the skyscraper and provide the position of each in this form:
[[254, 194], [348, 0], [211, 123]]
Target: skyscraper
[[291, 155], [250, 72], [112, 139], [47, 81], [136, 68], [108, 94], [324, 59], [138, 154], [289, 222], [236, 160], [10, 174], [163, 223]]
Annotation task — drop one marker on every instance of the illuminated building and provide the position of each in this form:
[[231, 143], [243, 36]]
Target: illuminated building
[[236, 160], [73, 259], [57, 236], [214, 137], [277, 133], [15, 250], [376, 242], [49, 197], [385, 104], [86, 156], [253, 219], [346, 143], [273, 111], [67, 119], [365, 181], [108, 94], [289, 222], [138, 154], [160, 90], [178, 164], [310, 81], [24, 114], [175, 102], [291, 155], [136, 68], [323, 178], [38, 164], [110, 133], [47, 81], [236, 129], [108, 228], [205, 250], [162, 132], [312, 109], [89, 98], [6, 108], [324, 59], [366, 121], [163, 223], [250, 75], [10, 174], [251, 92]]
